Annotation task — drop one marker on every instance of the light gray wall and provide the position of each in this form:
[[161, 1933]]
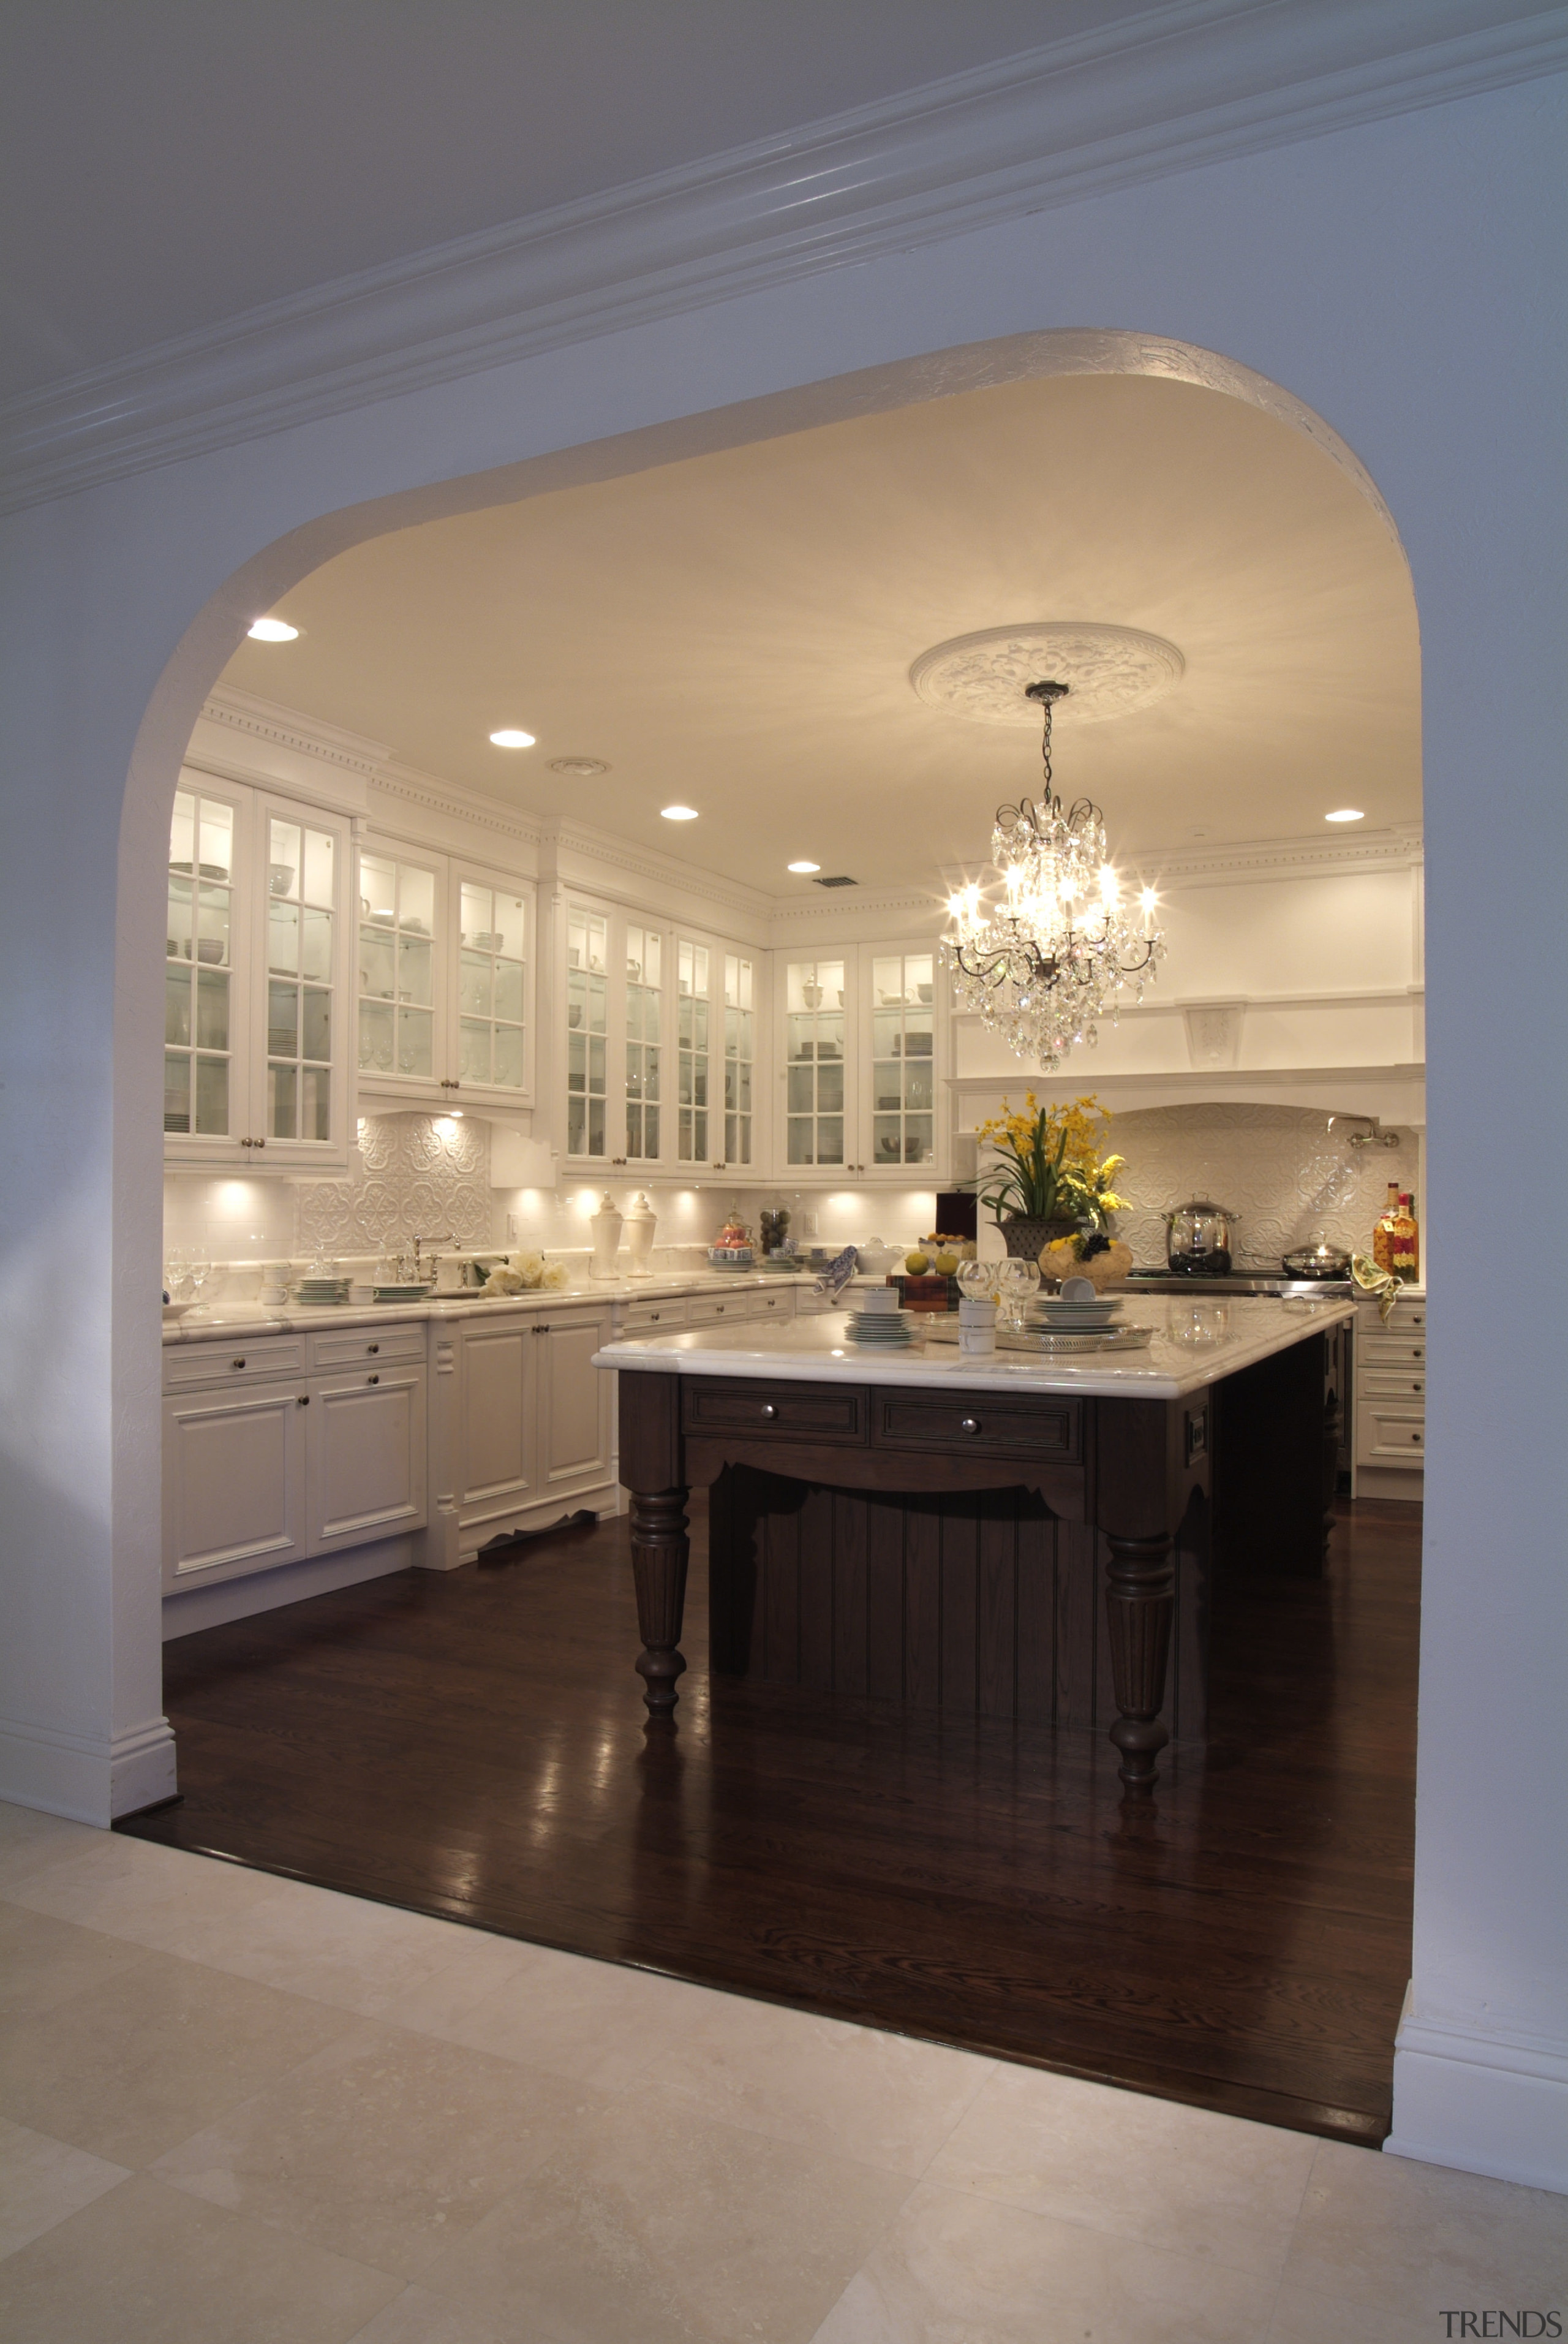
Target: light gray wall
[[1398, 278]]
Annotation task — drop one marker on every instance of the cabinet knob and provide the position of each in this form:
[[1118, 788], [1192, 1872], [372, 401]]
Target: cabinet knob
[[1420, 1352], [769, 1411], [303, 1399], [969, 1424], [372, 1380], [1418, 1387], [237, 1363], [373, 1348]]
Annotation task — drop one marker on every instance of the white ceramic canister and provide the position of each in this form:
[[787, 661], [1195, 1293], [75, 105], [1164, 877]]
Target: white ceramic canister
[[640, 1224], [606, 1225]]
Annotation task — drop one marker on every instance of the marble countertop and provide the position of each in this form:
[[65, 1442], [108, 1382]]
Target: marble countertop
[[256, 1319], [1195, 1344]]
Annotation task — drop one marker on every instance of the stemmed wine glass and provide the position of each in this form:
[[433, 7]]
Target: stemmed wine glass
[[198, 1269], [1020, 1283]]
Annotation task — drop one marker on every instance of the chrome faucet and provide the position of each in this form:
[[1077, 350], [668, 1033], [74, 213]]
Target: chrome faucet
[[450, 1237]]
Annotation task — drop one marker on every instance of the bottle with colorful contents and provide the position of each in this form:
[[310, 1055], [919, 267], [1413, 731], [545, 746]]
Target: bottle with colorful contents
[[1404, 1259], [1384, 1230]]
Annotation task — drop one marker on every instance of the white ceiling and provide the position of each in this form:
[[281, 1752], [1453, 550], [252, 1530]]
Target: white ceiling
[[170, 163], [736, 632]]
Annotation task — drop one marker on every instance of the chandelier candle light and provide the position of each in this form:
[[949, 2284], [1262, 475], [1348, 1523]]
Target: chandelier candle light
[[1043, 963]]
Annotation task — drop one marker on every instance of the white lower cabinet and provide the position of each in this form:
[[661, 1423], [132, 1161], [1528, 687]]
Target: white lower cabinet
[[364, 1457], [234, 1481], [1391, 1398], [522, 1427]]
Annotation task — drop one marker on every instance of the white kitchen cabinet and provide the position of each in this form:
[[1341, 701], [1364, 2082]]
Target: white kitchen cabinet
[[522, 1425], [1389, 1454], [233, 1480], [289, 1446], [365, 1456], [444, 982], [659, 1068], [256, 977], [862, 1058]]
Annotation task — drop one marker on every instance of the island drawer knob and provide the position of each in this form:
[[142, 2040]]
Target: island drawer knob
[[768, 1410], [969, 1424]]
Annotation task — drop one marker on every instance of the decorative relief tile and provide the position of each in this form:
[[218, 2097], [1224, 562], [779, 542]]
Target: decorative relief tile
[[1279, 1167], [413, 1181]]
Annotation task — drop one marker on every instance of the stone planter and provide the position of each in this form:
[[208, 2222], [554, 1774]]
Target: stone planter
[[1025, 1236]]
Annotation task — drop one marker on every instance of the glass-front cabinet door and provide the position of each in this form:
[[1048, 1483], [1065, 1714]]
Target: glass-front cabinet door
[[864, 1052], [444, 995], [255, 1048]]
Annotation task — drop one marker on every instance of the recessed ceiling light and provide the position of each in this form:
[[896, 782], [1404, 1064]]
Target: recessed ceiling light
[[805, 869], [679, 813], [272, 631], [583, 768], [509, 737], [1345, 813]]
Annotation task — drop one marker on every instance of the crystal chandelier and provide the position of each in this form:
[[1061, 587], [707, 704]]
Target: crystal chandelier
[[1040, 962]]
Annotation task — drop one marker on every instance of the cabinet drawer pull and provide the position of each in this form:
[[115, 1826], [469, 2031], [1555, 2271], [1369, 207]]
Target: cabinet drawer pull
[[372, 1349], [969, 1424], [303, 1400], [237, 1363], [1418, 1387], [769, 1411], [372, 1380], [1420, 1353]]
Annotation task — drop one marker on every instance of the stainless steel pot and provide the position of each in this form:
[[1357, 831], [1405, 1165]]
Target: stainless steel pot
[[1317, 1259], [1198, 1239]]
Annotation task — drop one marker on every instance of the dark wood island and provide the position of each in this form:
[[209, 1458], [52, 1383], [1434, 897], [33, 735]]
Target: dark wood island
[[1008, 1537]]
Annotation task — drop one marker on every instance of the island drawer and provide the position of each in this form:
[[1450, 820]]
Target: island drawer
[[236, 1359], [798, 1411], [950, 1424], [356, 1345]]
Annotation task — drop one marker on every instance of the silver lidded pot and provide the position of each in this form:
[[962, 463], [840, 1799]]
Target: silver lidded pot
[[1198, 1239], [1317, 1259]]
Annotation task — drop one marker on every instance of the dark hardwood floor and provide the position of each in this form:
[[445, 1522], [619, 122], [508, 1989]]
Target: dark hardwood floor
[[475, 1745]]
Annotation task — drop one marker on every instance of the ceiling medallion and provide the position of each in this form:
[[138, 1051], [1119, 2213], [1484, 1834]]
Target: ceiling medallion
[[1109, 671], [1041, 963], [582, 769]]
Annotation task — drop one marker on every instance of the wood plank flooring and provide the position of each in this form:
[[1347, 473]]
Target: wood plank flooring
[[474, 1745]]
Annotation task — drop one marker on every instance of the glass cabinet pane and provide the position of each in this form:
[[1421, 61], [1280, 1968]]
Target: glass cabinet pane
[[739, 1058], [197, 1022], [587, 1026], [903, 1027], [691, 1031], [300, 865], [644, 1052], [814, 1020], [491, 959], [397, 976]]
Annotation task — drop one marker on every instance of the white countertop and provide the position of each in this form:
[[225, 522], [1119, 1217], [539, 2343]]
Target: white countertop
[[1195, 1344], [225, 1318]]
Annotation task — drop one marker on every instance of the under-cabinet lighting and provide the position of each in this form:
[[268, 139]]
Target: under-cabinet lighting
[[679, 813], [1345, 813], [511, 737], [272, 631], [803, 869]]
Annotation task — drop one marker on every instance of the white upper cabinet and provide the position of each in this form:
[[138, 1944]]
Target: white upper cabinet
[[660, 1066], [257, 980], [863, 1051], [445, 981]]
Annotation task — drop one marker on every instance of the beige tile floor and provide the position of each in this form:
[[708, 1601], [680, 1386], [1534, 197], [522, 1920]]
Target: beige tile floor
[[235, 2110]]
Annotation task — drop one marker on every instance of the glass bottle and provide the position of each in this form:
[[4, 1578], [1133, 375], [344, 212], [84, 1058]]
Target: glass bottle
[[1405, 1261], [1382, 1245]]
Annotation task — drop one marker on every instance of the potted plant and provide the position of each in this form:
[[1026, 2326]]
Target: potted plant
[[1052, 1179]]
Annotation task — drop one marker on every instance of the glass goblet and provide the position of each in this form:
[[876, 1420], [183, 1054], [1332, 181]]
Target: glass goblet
[[1020, 1283], [198, 1269]]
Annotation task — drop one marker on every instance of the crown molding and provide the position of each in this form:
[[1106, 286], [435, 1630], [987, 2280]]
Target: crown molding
[[1187, 83], [288, 727], [1398, 849], [396, 780], [648, 862]]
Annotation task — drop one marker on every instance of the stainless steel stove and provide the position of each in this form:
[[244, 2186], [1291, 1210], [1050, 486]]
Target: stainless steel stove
[[1273, 1282]]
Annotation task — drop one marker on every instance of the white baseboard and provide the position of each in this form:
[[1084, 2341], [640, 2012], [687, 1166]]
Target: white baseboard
[[1495, 2104], [1396, 1482], [292, 1582], [85, 1777]]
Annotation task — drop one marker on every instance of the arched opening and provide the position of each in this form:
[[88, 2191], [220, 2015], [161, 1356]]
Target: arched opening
[[1368, 628]]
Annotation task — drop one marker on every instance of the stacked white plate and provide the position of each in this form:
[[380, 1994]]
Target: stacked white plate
[[401, 1293], [319, 1293], [894, 1330], [1048, 1314]]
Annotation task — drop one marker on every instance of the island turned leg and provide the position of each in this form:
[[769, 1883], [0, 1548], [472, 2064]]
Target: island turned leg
[[659, 1549], [1139, 1611]]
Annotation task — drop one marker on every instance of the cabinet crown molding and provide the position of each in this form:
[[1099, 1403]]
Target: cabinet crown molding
[[1187, 83]]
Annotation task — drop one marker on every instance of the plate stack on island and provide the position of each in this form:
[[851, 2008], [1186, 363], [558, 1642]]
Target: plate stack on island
[[877, 1319]]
